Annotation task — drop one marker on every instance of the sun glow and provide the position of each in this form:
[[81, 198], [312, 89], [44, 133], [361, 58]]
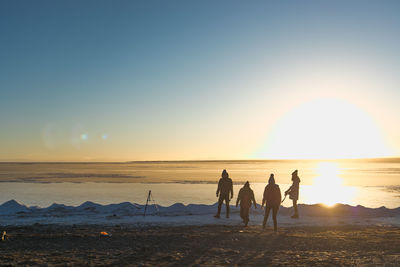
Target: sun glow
[[328, 187], [325, 129]]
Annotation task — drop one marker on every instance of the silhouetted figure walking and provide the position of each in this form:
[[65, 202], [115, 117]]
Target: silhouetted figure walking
[[293, 193], [245, 197], [225, 187], [272, 199]]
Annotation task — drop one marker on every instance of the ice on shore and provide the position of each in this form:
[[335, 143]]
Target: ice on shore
[[14, 213]]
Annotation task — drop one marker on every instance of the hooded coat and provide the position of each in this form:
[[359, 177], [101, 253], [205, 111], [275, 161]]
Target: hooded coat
[[225, 185], [272, 194], [245, 197], [294, 189]]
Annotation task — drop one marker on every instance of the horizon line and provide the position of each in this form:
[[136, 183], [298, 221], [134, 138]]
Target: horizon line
[[198, 160]]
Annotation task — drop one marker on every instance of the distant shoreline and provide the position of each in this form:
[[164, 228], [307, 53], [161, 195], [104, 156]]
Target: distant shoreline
[[384, 159]]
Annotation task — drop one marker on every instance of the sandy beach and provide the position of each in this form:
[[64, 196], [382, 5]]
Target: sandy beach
[[211, 245]]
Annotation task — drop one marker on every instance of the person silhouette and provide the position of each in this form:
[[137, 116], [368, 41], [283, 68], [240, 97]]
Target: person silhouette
[[225, 187], [293, 193], [272, 200], [245, 197]]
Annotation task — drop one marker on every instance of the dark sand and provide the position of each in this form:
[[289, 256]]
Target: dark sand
[[200, 245]]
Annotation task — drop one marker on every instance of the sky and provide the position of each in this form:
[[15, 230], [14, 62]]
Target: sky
[[190, 80]]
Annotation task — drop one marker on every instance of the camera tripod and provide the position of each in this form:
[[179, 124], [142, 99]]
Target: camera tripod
[[149, 200]]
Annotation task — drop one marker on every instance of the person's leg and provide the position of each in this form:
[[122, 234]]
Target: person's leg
[[227, 206], [296, 213], [274, 213], [220, 200], [242, 213], [267, 209], [246, 216]]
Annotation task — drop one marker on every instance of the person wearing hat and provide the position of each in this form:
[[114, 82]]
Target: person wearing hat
[[272, 200], [245, 197], [225, 188], [293, 193]]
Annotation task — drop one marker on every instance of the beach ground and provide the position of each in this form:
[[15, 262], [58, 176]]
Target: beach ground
[[199, 245]]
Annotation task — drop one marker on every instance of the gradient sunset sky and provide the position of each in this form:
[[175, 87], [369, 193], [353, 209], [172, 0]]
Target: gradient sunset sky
[[187, 80]]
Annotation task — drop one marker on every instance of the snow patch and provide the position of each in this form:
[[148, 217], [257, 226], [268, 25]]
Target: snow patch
[[14, 213]]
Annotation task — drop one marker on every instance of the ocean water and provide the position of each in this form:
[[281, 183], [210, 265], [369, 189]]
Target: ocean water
[[371, 183]]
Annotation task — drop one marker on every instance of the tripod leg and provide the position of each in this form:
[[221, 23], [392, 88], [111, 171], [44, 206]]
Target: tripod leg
[[147, 202]]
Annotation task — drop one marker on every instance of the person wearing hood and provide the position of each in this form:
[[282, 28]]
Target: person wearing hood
[[293, 193], [272, 200], [245, 198], [225, 188]]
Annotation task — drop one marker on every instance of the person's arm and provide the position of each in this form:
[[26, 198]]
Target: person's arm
[[238, 198], [231, 189], [219, 187], [254, 199], [280, 195], [288, 191], [264, 197]]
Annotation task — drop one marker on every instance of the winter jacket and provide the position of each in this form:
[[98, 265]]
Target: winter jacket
[[272, 195]]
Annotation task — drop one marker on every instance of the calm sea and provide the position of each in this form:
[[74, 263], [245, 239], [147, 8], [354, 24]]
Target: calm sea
[[371, 183]]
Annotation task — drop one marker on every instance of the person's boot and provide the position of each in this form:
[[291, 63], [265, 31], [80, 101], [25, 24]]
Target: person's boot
[[216, 216], [295, 216]]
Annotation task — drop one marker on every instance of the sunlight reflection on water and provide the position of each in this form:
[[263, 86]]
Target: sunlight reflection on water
[[328, 188]]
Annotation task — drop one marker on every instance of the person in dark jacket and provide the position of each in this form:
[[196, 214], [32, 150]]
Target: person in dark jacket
[[272, 200], [245, 197], [293, 193], [225, 188]]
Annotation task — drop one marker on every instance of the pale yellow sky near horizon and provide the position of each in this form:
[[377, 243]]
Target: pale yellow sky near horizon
[[300, 133]]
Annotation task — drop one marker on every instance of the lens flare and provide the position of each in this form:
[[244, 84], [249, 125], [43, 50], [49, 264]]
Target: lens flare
[[84, 136]]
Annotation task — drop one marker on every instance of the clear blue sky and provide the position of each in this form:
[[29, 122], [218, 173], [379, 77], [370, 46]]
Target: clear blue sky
[[147, 80]]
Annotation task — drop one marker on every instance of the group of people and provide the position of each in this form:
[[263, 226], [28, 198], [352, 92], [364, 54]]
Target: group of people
[[272, 197]]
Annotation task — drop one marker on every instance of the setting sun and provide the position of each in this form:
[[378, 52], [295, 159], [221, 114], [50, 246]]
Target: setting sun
[[326, 128]]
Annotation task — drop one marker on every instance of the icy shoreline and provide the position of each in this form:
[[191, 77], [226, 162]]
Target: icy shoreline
[[14, 213]]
